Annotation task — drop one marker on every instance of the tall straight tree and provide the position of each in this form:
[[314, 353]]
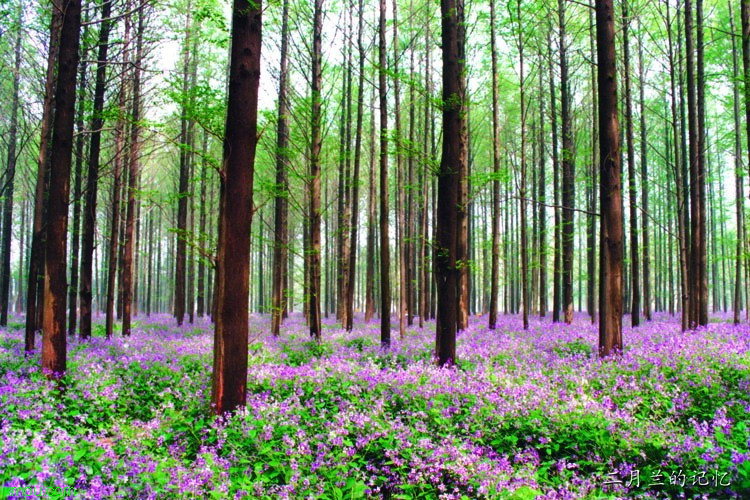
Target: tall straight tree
[[182, 190], [315, 149], [446, 270], [738, 174], [35, 288], [635, 310], [496, 173], [281, 190], [610, 187], [385, 256], [522, 199], [349, 323], [132, 183], [54, 342], [229, 378], [10, 173], [646, 263], [568, 173]]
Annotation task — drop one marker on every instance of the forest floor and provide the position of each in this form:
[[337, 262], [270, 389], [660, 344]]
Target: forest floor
[[523, 414]]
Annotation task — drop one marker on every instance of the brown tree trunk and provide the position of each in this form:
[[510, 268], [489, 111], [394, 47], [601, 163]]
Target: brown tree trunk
[[496, 173], [370, 271], [556, 274], [54, 342], [229, 378], [281, 191], [635, 309], [591, 185], [10, 174], [201, 292], [315, 148], [182, 190], [646, 262], [568, 174], [349, 323], [738, 175], [385, 282], [92, 179], [611, 231], [35, 289], [522, 201], [449, 180], [701, 277], [133, 169]]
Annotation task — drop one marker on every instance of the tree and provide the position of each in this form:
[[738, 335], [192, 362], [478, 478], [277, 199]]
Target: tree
[[496, 173], [282, 184], [610, 190], [385, 282], [54, 343], [229, 378], [446, 265], [315, 148], [10, 174]]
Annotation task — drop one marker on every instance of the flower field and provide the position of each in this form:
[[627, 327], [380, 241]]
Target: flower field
[[523, 415]]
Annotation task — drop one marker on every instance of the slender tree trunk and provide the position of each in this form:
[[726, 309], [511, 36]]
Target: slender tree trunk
[[35, 289], [635, 310], [644, 190], [315, 148], [281, 191], [182, 191], [556, 275], [385, 283], [133, 168], [693, 134], [522, 190], [700, 182], [370, 266], [355, 177], [611, 231], [92, 181], [496, 173], [447, 274], [229, 378], [75, 230], [10, 175], [591, 222], [568, 174], [738, 174], [54, 344]]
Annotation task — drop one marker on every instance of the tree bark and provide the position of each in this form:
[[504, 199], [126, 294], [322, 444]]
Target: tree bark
[[229, 378], [646, 262], [611, 231], [133, 170], [496, 173], [315, 148], [738, 174], [568, 174], [35, 288], [10, 175], [635, 309], [385, 257], [447, 274], [54, 342]]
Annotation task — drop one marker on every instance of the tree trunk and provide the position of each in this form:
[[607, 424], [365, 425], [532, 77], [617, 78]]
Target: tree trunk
[[370, 270], [522, 201], [10, 175], [315, 147], [556, 274], [54, 342], [611, 231], [229, 378], [449, 180], [738, 174], [385, 282], [349, 324], [133, 169], [646, 263], [92, 180], [496, 174], [568, 174], [35, 289], [635, 310], [591, 185]]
